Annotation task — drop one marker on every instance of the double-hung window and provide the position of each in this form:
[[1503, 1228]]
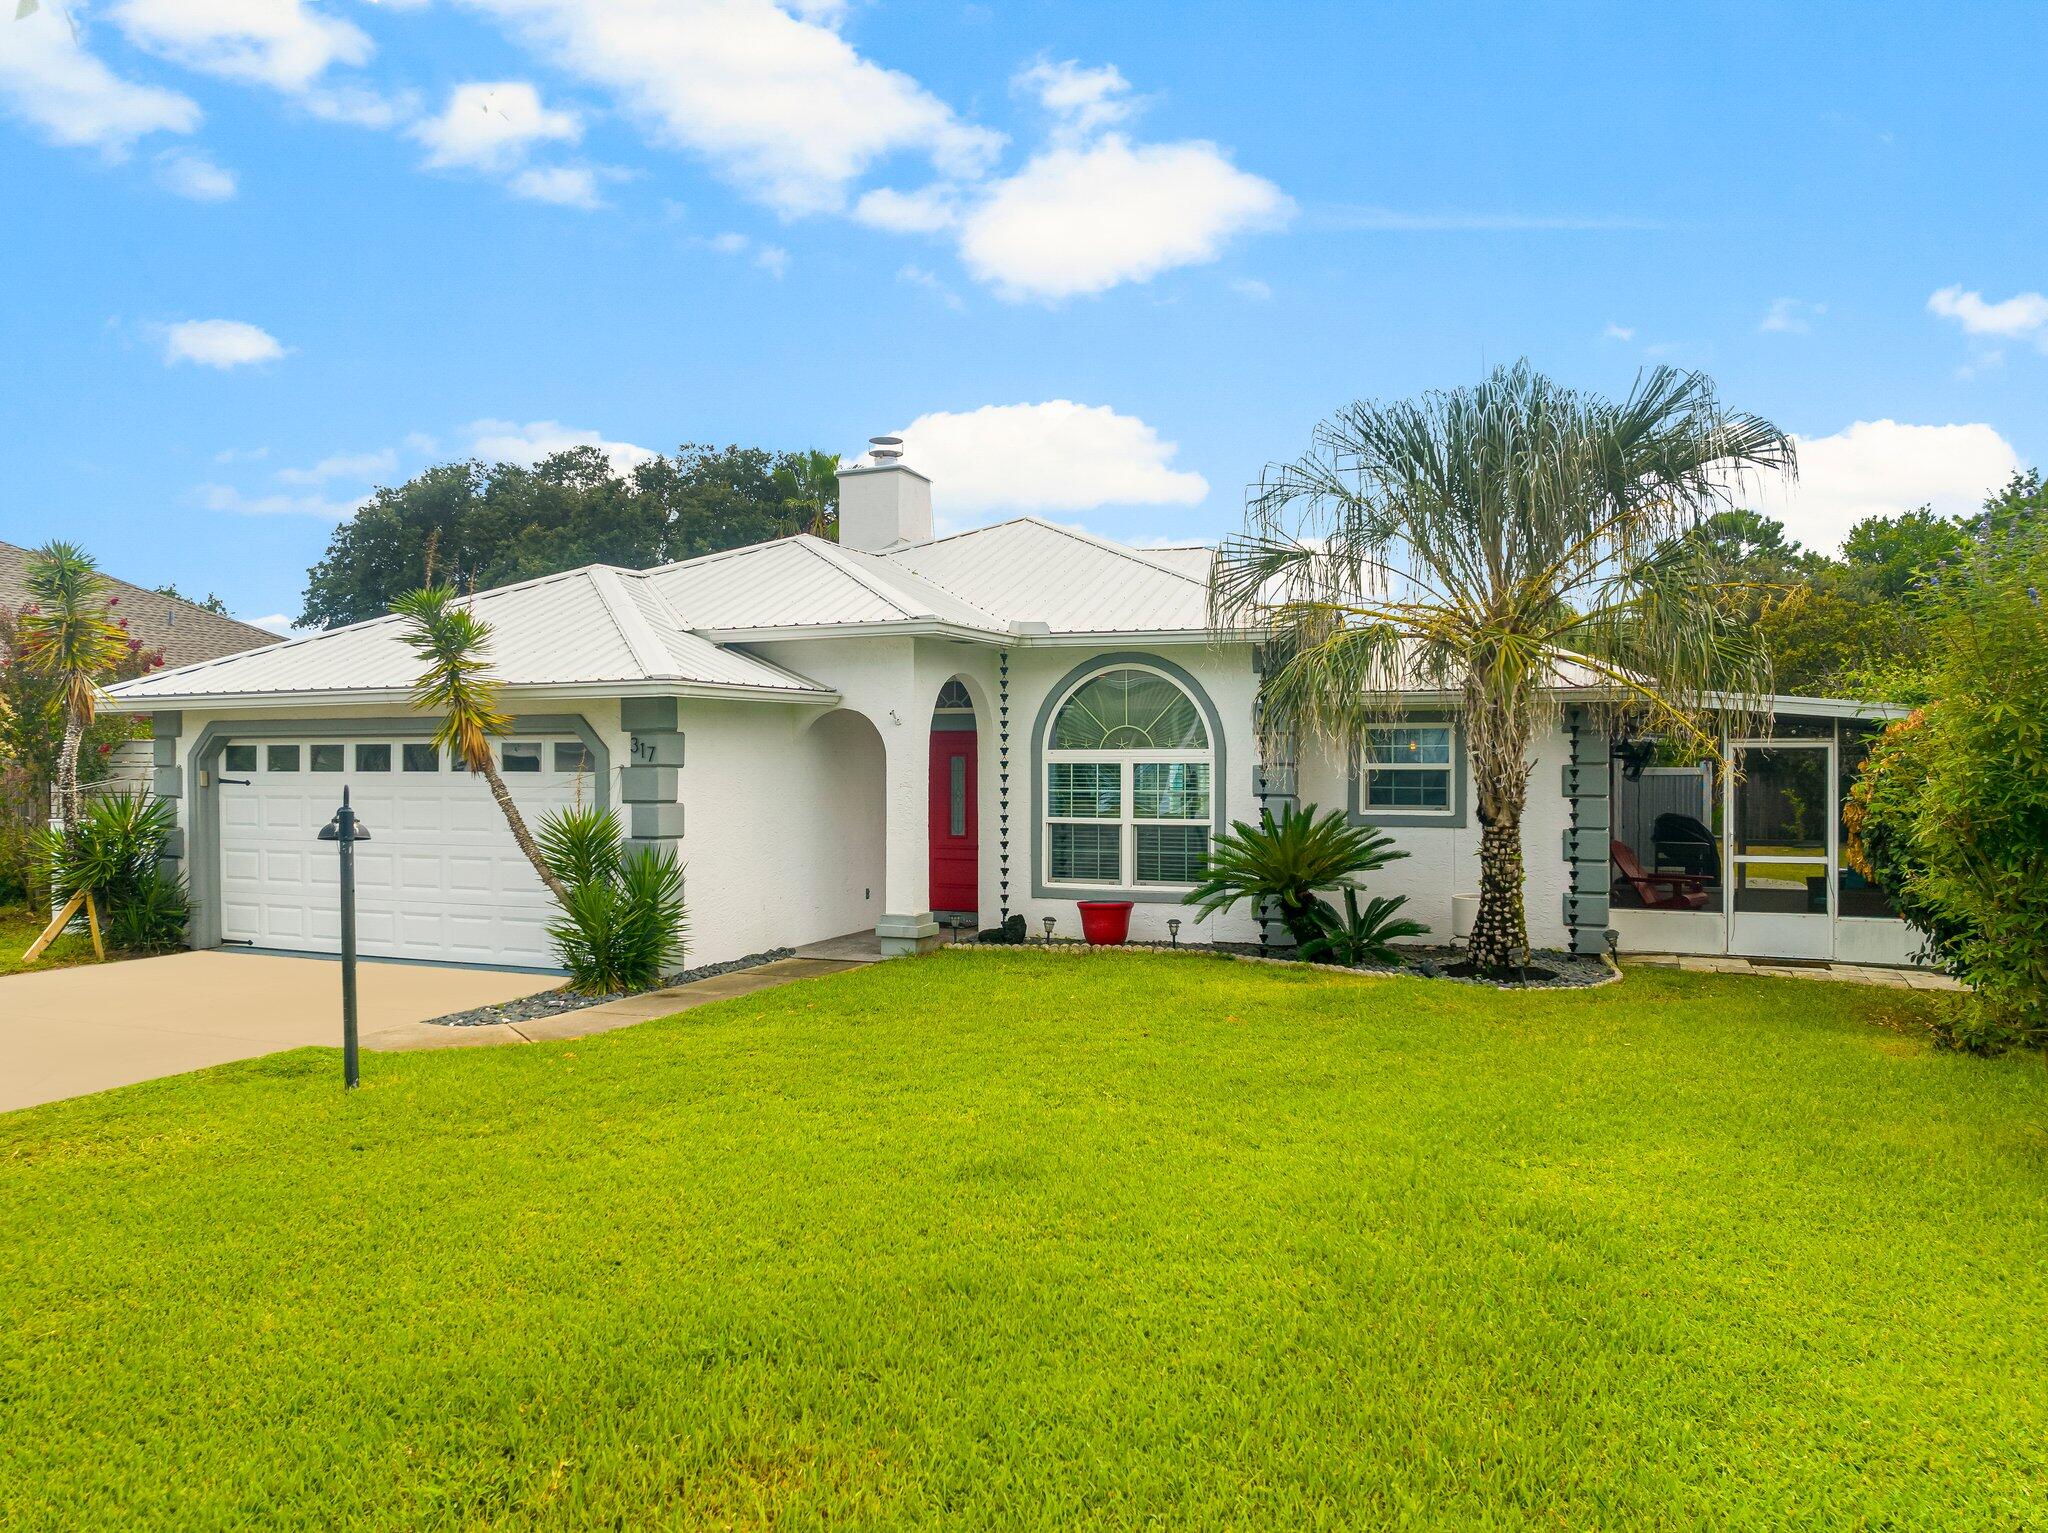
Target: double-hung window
[[1128, 784], [1407, 769]]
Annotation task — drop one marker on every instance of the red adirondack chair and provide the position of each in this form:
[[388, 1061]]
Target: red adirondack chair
[[1679, 891]]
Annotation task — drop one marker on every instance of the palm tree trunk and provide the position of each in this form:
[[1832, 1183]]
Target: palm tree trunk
[[67, 804], [1500, 932], [520, 833]]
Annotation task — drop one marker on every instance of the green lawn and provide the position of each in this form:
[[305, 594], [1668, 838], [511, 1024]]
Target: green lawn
[[998, 1240], [18, 929]]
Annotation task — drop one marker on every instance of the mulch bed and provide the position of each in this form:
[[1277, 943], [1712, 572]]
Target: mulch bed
[[1549, 969], [552, 1003]]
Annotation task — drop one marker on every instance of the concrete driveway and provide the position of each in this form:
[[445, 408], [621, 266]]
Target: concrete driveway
[[65, 1032]]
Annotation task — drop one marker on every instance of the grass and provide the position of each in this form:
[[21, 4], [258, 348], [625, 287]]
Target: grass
[[19, 928], [1000, 1240]]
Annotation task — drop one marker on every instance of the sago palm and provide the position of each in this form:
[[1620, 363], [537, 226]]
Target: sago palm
[[1494, 545], [456, 682], [66, 635]]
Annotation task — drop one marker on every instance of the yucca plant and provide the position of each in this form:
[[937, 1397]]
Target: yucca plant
[[624, 918], [115, 850], [1361, 936], [1499, 544], [457, 683], [1287, 861], [66, 634]]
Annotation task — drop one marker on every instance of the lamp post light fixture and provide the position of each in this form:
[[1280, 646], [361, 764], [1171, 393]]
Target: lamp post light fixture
[[1048, 930], [346, 830], [1173, 930]]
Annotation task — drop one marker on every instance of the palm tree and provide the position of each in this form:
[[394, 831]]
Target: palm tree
[[67, 636], [457, 683], [1496, 544]]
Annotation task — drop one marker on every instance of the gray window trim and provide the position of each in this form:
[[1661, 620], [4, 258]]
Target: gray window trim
[[1461, 771], [203, 865], [1218, 784]]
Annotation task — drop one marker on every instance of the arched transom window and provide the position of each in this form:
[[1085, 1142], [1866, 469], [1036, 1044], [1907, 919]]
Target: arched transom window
[[1128, 769]]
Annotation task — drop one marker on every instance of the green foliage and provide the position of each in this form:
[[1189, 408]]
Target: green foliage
[[1287, 861], [1887, 557], [1950, 814], [1357, 936], [625, 918], [478, 525], [116, 851]]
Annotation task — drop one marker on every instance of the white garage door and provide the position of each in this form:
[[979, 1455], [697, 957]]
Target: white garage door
[[440, 877]]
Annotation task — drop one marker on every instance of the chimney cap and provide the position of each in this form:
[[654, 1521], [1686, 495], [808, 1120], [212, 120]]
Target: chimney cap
[[885, 449]]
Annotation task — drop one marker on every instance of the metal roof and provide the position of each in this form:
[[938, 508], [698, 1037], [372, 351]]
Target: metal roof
[[589, 626], [806, 582], [1030, 571]]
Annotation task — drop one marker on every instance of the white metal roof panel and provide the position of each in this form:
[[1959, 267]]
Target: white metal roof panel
[[805, 582], [586, 626], [1036, 572]]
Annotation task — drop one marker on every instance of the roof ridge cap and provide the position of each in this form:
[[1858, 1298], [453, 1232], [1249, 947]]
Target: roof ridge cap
[[642, 642]]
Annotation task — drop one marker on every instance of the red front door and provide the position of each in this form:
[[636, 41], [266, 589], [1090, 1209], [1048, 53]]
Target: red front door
[[955, 869]]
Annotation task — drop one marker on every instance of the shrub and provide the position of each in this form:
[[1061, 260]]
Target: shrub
[[1358, 937], [1287, 861], [117, 852], [625, 918], [1949, 816]]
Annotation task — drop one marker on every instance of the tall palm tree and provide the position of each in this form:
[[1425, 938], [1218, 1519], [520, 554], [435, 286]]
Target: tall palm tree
[[456, 682], [1496, 544], [66, 635]]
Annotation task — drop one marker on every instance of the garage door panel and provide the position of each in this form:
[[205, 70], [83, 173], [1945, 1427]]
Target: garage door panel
[[441, 877]]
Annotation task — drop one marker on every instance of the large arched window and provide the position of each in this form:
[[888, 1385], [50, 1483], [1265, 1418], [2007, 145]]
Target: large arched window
[[1128, 779]]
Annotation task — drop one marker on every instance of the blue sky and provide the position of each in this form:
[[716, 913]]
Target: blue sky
[[1102, 261]]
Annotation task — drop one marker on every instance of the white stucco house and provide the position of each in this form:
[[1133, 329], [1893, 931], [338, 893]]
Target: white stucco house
[[898, 730]]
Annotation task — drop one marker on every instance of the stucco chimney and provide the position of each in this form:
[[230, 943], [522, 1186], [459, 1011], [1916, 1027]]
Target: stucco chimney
[[885, 504]]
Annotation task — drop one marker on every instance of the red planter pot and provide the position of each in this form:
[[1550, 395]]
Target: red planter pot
[[1105, 922]]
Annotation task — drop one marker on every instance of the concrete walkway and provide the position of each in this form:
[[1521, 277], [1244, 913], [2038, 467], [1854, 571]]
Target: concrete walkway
[[1842, 973]]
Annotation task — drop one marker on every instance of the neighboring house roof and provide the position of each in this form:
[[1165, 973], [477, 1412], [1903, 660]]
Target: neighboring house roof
[[184, 631], [596, 626]]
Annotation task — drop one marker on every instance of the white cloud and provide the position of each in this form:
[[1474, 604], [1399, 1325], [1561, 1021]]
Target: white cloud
[[1083, 100], [284, 44], [1056, 456], [1082, 219], [490, 125], [1618, 333], [1791, 316], [195, 176], [346, 465], [780, 104], [2023, 314], [276, 622], [219, 343], [497, 441], [49, 81], [772, 259], [925, 211], [228, 499], [1880, 468], [1253, 289], [918, 276], [568, 186]]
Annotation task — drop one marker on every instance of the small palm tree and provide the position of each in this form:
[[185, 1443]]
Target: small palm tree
[[453, 642], [67, 636], [1497, 544]]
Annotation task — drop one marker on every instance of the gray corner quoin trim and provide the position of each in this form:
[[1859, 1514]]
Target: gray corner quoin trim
[[203, 867], [1394, 819], [1219, 775]]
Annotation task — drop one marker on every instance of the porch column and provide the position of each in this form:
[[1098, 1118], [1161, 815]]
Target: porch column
[[907, 926]]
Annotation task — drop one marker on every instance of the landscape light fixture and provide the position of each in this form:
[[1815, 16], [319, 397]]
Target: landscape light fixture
[[1173, 930], [1048, 930], [346, 830]]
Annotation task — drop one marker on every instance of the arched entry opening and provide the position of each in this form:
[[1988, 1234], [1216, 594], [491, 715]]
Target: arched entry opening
[[955, 831], [841, 894]]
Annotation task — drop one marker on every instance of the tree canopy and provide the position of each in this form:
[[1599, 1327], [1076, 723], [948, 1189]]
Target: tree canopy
[[482, 525]]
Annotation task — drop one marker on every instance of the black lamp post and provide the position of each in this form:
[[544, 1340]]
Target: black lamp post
[[346, 830]]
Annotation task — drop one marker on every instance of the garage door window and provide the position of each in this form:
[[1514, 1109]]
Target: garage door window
[[326, 758], [238, 758], [522, 758], [281, 758], [422, 758], [572, 756], [373, 758]]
